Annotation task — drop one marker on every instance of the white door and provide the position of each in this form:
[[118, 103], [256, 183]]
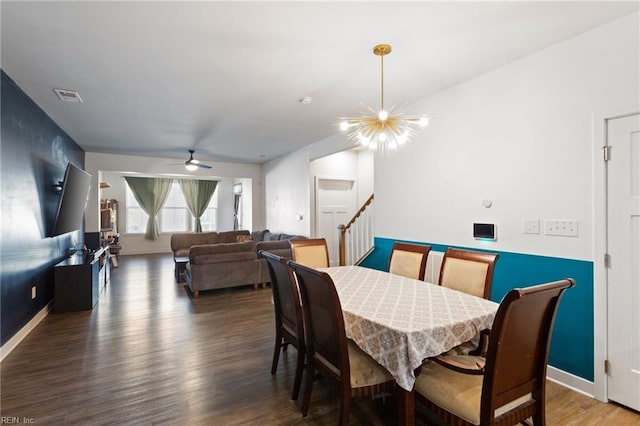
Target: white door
[[623, 247], [335, 205]]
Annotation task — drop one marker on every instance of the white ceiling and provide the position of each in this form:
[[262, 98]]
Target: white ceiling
[[224, 78]]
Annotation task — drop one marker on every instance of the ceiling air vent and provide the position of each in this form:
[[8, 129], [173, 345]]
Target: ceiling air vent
[[68, 95]]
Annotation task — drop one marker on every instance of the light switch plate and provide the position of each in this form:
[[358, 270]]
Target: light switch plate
[[531, 226], [562, 228]]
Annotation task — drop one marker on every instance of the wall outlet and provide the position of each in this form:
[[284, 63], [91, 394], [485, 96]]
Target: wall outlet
[[33, 292], [563, 228], [531, 226]]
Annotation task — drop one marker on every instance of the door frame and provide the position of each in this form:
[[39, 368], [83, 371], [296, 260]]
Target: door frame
[[600, 135]]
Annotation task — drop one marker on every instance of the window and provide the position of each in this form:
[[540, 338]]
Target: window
[[174, 216], [208, 219], [136, 217]]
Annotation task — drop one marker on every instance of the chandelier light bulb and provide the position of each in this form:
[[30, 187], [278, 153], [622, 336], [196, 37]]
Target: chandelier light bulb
[[383, 115], [382, 137], [423, 122], [344, 125], [363, 139]]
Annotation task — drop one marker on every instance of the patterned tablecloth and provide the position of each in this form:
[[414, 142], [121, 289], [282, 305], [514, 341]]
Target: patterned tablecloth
[[401, 321]]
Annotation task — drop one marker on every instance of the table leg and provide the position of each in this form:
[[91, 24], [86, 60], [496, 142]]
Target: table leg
[[406, 407]]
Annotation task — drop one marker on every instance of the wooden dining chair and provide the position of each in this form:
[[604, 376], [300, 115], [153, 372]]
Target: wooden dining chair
[[409, 260], [312, 252], [508, 386], [288, 315], [468, 271], [328, 349]]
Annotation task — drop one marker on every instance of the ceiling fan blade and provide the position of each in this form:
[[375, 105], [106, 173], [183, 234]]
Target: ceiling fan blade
[[192, 162]]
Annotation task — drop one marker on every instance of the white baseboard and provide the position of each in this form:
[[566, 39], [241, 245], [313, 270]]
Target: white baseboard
[[570, 381], [24, 331]]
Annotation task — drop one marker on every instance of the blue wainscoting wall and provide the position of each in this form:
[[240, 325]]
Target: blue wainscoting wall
[[572, 343]]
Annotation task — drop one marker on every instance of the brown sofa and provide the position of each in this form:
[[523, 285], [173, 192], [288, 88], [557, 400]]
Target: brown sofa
[[213, 260], [277, 243]]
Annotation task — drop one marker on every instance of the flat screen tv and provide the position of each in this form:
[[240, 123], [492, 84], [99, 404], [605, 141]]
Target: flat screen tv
[[73, 200]]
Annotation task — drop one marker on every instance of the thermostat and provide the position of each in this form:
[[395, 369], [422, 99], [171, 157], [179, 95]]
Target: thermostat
[[484, 231]]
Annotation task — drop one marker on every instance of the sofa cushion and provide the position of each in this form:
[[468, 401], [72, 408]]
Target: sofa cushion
[[244, 238], [223, 248], [184, 240], [268, 236], [280, 248], [259, 235], [230, 236], [181, 252], [222, 257], [224, 252]]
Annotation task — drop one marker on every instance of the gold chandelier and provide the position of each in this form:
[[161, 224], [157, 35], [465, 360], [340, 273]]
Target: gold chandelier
[[382, 130]]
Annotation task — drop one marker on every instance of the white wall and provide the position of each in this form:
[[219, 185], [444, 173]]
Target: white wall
[[101, 165], [520, 136], [365, 167], [287, 194], [354, 164]]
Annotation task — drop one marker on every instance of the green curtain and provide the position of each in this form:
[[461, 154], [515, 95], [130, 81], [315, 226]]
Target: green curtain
[[197, 194], [151, 194]]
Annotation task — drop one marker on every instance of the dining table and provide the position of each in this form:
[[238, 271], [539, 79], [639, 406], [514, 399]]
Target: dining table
[[401, 321]]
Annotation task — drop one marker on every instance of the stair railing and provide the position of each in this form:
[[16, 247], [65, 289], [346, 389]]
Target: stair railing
[[356, 237]]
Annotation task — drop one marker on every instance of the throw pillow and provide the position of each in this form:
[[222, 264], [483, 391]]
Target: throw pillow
[[243, 238]]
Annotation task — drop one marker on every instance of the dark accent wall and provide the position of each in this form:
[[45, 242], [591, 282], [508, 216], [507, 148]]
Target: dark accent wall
[[34, 155]]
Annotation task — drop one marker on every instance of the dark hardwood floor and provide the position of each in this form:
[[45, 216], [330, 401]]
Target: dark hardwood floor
[[150, 354]]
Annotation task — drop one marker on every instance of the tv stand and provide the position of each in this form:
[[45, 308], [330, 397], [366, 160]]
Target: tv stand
[[80, 279]]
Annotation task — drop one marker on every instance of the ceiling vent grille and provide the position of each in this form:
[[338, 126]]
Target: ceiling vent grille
[[68, 95]]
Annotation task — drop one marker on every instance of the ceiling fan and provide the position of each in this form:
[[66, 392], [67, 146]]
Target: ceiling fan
[[193, 164]]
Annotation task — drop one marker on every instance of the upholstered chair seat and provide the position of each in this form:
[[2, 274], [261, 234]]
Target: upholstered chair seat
[[457, 393], [365, 371]]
